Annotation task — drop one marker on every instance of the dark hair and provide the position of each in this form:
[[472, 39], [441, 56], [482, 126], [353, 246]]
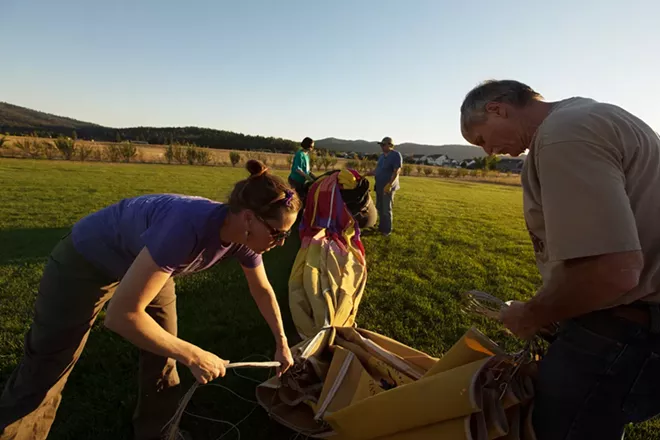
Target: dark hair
[[306, 143], [264, 193]]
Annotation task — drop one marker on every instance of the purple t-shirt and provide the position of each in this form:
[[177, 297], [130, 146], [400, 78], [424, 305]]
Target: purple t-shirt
[[182, 234]]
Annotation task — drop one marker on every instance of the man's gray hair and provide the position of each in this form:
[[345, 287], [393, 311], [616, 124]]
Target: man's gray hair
[[473, 109]]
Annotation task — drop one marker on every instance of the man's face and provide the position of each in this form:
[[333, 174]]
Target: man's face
[[386, 147], [500, 133]]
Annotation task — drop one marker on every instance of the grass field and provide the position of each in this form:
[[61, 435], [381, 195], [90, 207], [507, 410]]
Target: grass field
[[450, 236]]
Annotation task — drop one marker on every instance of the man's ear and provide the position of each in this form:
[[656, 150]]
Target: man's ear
[[496, 108]]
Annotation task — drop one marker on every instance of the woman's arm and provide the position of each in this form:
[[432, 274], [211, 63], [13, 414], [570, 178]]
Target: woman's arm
[[264, 296], [127, 316]]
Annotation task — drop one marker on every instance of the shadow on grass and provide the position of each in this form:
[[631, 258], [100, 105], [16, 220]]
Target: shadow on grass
[[21, 246]]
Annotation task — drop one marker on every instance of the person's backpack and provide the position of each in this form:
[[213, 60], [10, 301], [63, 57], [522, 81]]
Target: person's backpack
[[358, 201]]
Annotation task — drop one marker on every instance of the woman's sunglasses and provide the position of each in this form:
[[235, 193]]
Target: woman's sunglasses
[[276, 234]]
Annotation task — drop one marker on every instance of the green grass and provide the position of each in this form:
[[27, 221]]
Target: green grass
[[449, 237]]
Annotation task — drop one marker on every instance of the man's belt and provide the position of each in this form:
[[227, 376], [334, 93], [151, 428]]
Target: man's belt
[[645, 314], [642, 314]]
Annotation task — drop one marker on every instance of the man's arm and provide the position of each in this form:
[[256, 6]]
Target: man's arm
[[578, 287], [586, 284], [395, 174], [397, 169], [590, 232]]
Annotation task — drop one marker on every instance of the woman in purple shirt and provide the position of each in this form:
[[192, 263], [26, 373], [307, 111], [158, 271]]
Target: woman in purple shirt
[[127, 254]]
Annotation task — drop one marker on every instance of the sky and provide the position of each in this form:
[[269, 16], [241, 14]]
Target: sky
[[351, 69]]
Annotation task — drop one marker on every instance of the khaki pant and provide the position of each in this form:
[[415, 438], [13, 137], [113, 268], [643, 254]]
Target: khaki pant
[[71, 295]]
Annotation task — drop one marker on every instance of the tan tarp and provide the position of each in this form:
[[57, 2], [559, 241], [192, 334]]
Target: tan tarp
[[326, 285], [350, 383]]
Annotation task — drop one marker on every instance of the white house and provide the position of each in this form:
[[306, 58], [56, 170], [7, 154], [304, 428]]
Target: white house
[[437, 159]]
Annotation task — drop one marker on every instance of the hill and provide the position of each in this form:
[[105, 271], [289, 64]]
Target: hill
[[15, 118], [458, 152], [23, 121], [18, 120]]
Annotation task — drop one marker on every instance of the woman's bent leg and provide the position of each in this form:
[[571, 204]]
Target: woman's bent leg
[[71, 294]]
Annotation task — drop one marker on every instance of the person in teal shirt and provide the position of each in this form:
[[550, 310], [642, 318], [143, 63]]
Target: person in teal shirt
[[300, 168]]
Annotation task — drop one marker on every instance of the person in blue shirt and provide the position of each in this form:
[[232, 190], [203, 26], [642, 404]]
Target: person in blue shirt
[[127, 255], [387, 183], [301, 171]]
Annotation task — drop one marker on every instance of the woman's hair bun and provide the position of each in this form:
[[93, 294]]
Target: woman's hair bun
[[262, 192], [256, 168]]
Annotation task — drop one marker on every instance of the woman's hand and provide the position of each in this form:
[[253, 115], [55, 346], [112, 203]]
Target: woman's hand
[[206, 366], [284, 357]]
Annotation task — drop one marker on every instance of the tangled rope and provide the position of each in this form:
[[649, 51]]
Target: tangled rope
[[489, 306], [173, 425], [482, 303]]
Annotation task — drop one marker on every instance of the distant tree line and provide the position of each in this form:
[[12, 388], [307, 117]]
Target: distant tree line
[[203, 137]]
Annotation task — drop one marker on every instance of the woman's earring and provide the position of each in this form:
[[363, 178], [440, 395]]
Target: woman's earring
[[247, 229]]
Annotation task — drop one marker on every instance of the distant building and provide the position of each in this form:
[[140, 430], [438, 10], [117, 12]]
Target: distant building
[[412, 158], [434, 159], [510, 165]]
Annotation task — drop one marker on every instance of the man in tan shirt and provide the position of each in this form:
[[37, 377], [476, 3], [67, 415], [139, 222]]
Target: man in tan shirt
[[591, 196]]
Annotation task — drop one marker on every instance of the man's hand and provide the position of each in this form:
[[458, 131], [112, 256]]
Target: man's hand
[[284, 357], [518, 319], [388, 188]]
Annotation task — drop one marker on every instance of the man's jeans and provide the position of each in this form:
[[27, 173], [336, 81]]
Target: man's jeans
[[590, 386], [384, 205]]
